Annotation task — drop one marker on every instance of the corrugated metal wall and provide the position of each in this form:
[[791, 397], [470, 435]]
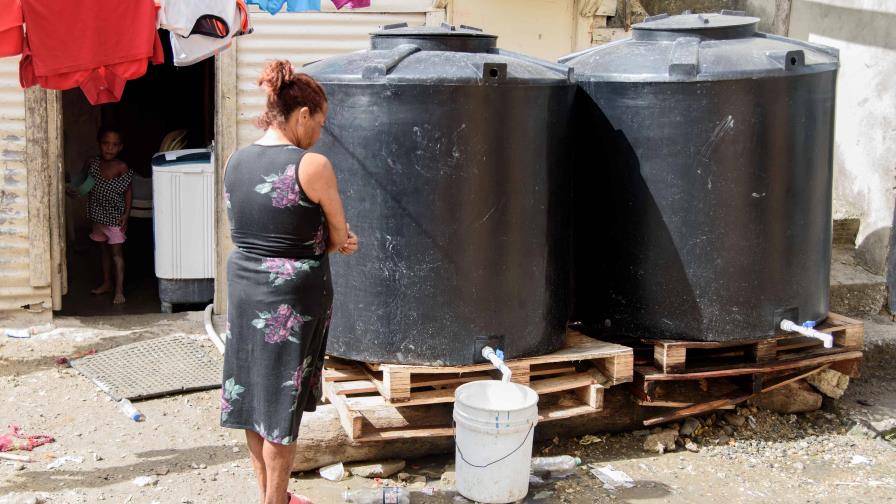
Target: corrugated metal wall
[[15, 278], [302, 38]]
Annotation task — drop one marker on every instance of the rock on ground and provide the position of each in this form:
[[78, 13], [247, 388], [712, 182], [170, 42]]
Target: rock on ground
[[661, 441], [829, 382], [382, 469], [735, 419], [688, 427], [796, 397]]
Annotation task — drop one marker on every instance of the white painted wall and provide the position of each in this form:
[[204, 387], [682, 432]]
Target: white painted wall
[[865, 133], [541, 28]]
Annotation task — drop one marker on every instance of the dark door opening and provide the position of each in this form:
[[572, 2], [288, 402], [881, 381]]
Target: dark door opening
[[165, 100]]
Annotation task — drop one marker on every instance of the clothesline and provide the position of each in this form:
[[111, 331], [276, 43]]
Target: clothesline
[[98, 45]]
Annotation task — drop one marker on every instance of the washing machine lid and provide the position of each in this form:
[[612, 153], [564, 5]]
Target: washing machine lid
[[182, 160]]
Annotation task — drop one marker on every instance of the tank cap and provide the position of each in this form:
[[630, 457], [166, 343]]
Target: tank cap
[[445, 37], [395, 26], [656, 18], [712, 26]]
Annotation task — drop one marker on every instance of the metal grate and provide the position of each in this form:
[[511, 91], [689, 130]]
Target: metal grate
[[152, 368]]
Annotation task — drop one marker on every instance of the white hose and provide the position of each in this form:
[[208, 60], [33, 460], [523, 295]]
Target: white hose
[[826, 338], [210, 329], [489, 353]]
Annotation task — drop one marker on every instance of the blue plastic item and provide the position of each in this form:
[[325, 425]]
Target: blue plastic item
[[274, 6]]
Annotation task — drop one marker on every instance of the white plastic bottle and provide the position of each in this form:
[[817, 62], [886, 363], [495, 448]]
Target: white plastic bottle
[[562, 465], [385, 495], [130, 411]]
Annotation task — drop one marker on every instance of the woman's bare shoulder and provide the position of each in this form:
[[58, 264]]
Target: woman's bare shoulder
[[314, 161]]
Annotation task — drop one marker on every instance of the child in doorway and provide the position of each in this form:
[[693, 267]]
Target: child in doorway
[[108, 189]]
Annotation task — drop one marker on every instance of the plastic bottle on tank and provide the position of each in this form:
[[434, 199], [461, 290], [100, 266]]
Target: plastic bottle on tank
[[385, 495], [559, 466]]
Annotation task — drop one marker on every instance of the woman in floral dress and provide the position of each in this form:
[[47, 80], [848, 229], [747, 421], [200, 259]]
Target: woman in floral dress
[[286, 216]]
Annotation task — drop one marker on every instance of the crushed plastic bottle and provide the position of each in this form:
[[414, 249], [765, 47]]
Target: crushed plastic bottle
[[130, 411], [385, 495], [558, 467]]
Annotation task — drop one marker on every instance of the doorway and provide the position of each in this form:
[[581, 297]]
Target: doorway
[[166, 101]]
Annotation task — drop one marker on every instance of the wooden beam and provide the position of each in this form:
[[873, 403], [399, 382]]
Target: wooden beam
[[59, 277], [39, 180], [225, 143]]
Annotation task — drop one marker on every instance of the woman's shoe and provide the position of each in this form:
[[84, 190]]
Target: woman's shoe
[[298, 499]]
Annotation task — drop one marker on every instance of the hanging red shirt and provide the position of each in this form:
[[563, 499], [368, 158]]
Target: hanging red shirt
[[94, 44], [11, 29]]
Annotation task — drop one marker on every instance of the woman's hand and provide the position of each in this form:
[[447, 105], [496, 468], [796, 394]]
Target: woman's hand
[[351, 245], [123, 223]]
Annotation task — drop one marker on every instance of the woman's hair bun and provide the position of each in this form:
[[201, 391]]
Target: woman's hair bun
[[288, 91], [275, 75]]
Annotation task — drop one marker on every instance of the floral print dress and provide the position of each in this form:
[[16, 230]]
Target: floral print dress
[[279, 295]]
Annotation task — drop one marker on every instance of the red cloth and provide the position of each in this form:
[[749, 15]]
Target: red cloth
[[11, 32], [15, 440], [97, 45]]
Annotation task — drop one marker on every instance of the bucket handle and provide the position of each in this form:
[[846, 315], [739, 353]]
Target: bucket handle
[[459, 452]]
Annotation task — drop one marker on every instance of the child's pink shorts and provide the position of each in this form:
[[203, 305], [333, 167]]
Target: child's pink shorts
[[110, 234]]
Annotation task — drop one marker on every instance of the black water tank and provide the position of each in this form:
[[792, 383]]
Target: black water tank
[[451, 159], [703, 179]]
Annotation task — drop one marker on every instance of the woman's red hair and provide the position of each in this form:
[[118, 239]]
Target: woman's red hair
[[288, 91]]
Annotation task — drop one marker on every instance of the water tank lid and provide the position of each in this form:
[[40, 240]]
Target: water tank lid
[[700, 47], [723, 25], [438, 55], [444, 30], [434, 38]]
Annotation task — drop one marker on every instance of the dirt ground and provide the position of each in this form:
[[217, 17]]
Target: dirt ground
[[815, 457]]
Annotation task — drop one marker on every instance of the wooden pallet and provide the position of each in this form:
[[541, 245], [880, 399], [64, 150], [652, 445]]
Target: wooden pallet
[[400, 383], [704, 376], [570, 383], [677, 356]]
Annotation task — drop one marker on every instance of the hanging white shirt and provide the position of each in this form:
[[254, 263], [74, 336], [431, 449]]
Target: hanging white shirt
[[196, 47], [179, 16]]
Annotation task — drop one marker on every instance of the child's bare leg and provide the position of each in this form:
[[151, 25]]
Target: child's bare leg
[[118, 258], [107, 271]]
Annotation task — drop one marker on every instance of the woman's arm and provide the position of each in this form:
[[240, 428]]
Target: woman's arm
[[318, 181]]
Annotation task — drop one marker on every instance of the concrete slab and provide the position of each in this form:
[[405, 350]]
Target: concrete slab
[[855, 292]]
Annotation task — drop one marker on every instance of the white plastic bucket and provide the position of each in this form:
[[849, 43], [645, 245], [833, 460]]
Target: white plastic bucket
[[494, 427]]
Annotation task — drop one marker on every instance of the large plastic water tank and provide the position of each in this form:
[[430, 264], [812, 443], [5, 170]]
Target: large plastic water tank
[[184, 226], [703, 179], [451, 159]]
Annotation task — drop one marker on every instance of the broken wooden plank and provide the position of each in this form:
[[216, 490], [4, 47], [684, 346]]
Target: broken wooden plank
[[732, 400], [815, 358], [349, 419]]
